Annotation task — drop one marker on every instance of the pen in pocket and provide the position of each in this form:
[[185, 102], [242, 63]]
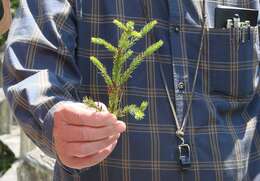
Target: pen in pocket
[[242, 27]]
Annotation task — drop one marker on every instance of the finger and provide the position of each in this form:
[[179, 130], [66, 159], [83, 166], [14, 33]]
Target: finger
[[80, 163], [72, 133], [77, 115], [84, 149]]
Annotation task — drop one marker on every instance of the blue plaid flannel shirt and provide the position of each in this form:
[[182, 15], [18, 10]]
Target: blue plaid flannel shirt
[[46, 63]]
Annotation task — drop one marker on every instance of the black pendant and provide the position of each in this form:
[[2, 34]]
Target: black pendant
[[184, 155]]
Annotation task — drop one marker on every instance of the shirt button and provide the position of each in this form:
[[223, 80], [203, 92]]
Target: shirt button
[[181, 86], [177, 29]]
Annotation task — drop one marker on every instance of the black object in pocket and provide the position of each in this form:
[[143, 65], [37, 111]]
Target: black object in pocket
[[222, 13]]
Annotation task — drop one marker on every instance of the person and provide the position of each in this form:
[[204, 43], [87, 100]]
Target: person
[[5, 16], [202, 76]]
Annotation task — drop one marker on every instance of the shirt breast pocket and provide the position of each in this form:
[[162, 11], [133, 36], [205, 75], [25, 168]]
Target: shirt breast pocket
[[233, 61]]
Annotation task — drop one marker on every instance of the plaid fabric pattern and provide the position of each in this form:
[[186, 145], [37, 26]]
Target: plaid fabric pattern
[[46, 62]]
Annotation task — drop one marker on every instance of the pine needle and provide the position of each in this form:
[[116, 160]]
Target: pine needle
[[102, 69]]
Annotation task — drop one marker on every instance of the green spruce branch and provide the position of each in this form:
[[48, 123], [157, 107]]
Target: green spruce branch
[[119, 77]]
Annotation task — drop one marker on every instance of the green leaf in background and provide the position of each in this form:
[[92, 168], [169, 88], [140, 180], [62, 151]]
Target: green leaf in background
[[14, 6], [7, 157]]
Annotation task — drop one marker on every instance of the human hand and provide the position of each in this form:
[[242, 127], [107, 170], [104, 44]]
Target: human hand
[[84, 137]]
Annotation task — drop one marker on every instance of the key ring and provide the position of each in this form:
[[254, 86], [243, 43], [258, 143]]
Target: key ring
[[183, 151]]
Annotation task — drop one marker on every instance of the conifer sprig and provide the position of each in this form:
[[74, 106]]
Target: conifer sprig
[[102, 69], [100, 41], [119, 77]]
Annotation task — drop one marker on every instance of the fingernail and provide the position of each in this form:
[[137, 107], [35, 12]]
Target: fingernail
[[117, 136]]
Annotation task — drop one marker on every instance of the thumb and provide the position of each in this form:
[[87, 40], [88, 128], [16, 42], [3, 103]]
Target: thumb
[[98, 104], [102, 106]]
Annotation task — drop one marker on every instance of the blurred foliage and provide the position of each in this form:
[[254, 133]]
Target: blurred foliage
[[6, 155], [6, 158], [14, 6]]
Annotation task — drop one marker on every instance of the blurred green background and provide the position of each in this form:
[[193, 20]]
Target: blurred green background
[[6, 156], [14, 5]]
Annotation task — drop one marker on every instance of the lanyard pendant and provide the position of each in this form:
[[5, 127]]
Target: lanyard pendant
[[184, 155], [183, 151]]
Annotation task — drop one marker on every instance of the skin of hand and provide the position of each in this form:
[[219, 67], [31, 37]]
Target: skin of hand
[[84, 137]]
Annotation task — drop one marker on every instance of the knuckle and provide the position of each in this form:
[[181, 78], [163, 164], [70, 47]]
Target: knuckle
[[60, 112], [61, 108], [56, 115], [57, 134], [60, 133]]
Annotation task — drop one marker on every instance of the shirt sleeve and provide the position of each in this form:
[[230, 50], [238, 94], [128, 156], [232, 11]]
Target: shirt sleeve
[[40, 70]]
